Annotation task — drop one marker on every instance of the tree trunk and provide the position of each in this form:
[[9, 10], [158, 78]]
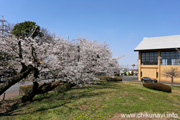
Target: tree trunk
[[40, 89], [31, 95], [14, 79], [172, 81]]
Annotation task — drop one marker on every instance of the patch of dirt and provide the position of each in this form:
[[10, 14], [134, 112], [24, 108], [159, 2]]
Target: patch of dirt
[[8, 105], [107, 98], [141, 98], [176, 92], [83, 107], [125, 93], [9, 95], [76, 86]]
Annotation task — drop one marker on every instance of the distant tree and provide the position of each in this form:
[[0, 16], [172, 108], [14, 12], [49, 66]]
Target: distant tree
[[132, 73], [10, 27], [47, 36], [27, 29], [171, 73], [129, 73], [125, 73]]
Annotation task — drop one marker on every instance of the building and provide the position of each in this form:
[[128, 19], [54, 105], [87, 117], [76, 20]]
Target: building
[[157, 54], [135, 72], [121, 72]]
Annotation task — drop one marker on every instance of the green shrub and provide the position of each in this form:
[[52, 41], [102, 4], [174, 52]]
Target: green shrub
[[132, 73], [125, 73], [158, 86], [24, 90], [116, 79], [108, 78], [105, 78]]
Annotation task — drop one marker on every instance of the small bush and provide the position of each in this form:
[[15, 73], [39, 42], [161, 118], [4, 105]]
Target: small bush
[[132, 73], [105, 78], [24, 90], [158, 86], [108, 78], [116, 79]]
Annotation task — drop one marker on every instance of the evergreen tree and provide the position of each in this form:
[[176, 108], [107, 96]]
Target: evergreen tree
[[27, 29], [132, 73]]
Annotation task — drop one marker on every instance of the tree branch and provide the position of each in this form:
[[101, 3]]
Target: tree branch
[[20, 50], [40, 89], [13, 80]]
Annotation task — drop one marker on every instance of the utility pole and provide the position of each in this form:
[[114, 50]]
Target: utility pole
[[3, 29], [133, 70]]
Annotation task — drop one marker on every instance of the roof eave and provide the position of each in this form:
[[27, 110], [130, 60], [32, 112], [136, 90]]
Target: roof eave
[[155, 49]]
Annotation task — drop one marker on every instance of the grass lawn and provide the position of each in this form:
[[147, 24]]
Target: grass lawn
[[104, 101]]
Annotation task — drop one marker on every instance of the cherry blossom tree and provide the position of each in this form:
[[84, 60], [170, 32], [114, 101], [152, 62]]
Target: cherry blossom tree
[[24, 56], [86, 61], [80, 61], [77, 62]]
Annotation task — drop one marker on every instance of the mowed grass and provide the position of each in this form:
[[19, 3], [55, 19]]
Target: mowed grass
[[101, 101]]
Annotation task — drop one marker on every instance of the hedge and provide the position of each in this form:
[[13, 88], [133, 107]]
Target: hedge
[[24, 90], [108, 78], [104, 78], [116, 79], [158, 86]]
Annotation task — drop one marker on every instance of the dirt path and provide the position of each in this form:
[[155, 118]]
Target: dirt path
[[10, 95]]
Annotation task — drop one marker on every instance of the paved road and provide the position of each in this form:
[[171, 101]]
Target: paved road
[[14, 90], [9, 95], [17, 85], [130, 78]]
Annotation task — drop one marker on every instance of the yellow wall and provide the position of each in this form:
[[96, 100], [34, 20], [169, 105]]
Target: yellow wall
[[149, 72], [166, 67]]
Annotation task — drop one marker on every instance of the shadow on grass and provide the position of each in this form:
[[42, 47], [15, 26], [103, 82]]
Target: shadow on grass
[[107, 85], [65, 97], [178, 87], [9, 105]]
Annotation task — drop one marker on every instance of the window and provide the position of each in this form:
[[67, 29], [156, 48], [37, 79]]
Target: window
[[149, 58], [170, 58]]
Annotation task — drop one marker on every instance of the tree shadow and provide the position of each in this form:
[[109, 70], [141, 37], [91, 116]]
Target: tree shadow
[[7, 106], [66, 97], [11, 105], [107, 85]]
